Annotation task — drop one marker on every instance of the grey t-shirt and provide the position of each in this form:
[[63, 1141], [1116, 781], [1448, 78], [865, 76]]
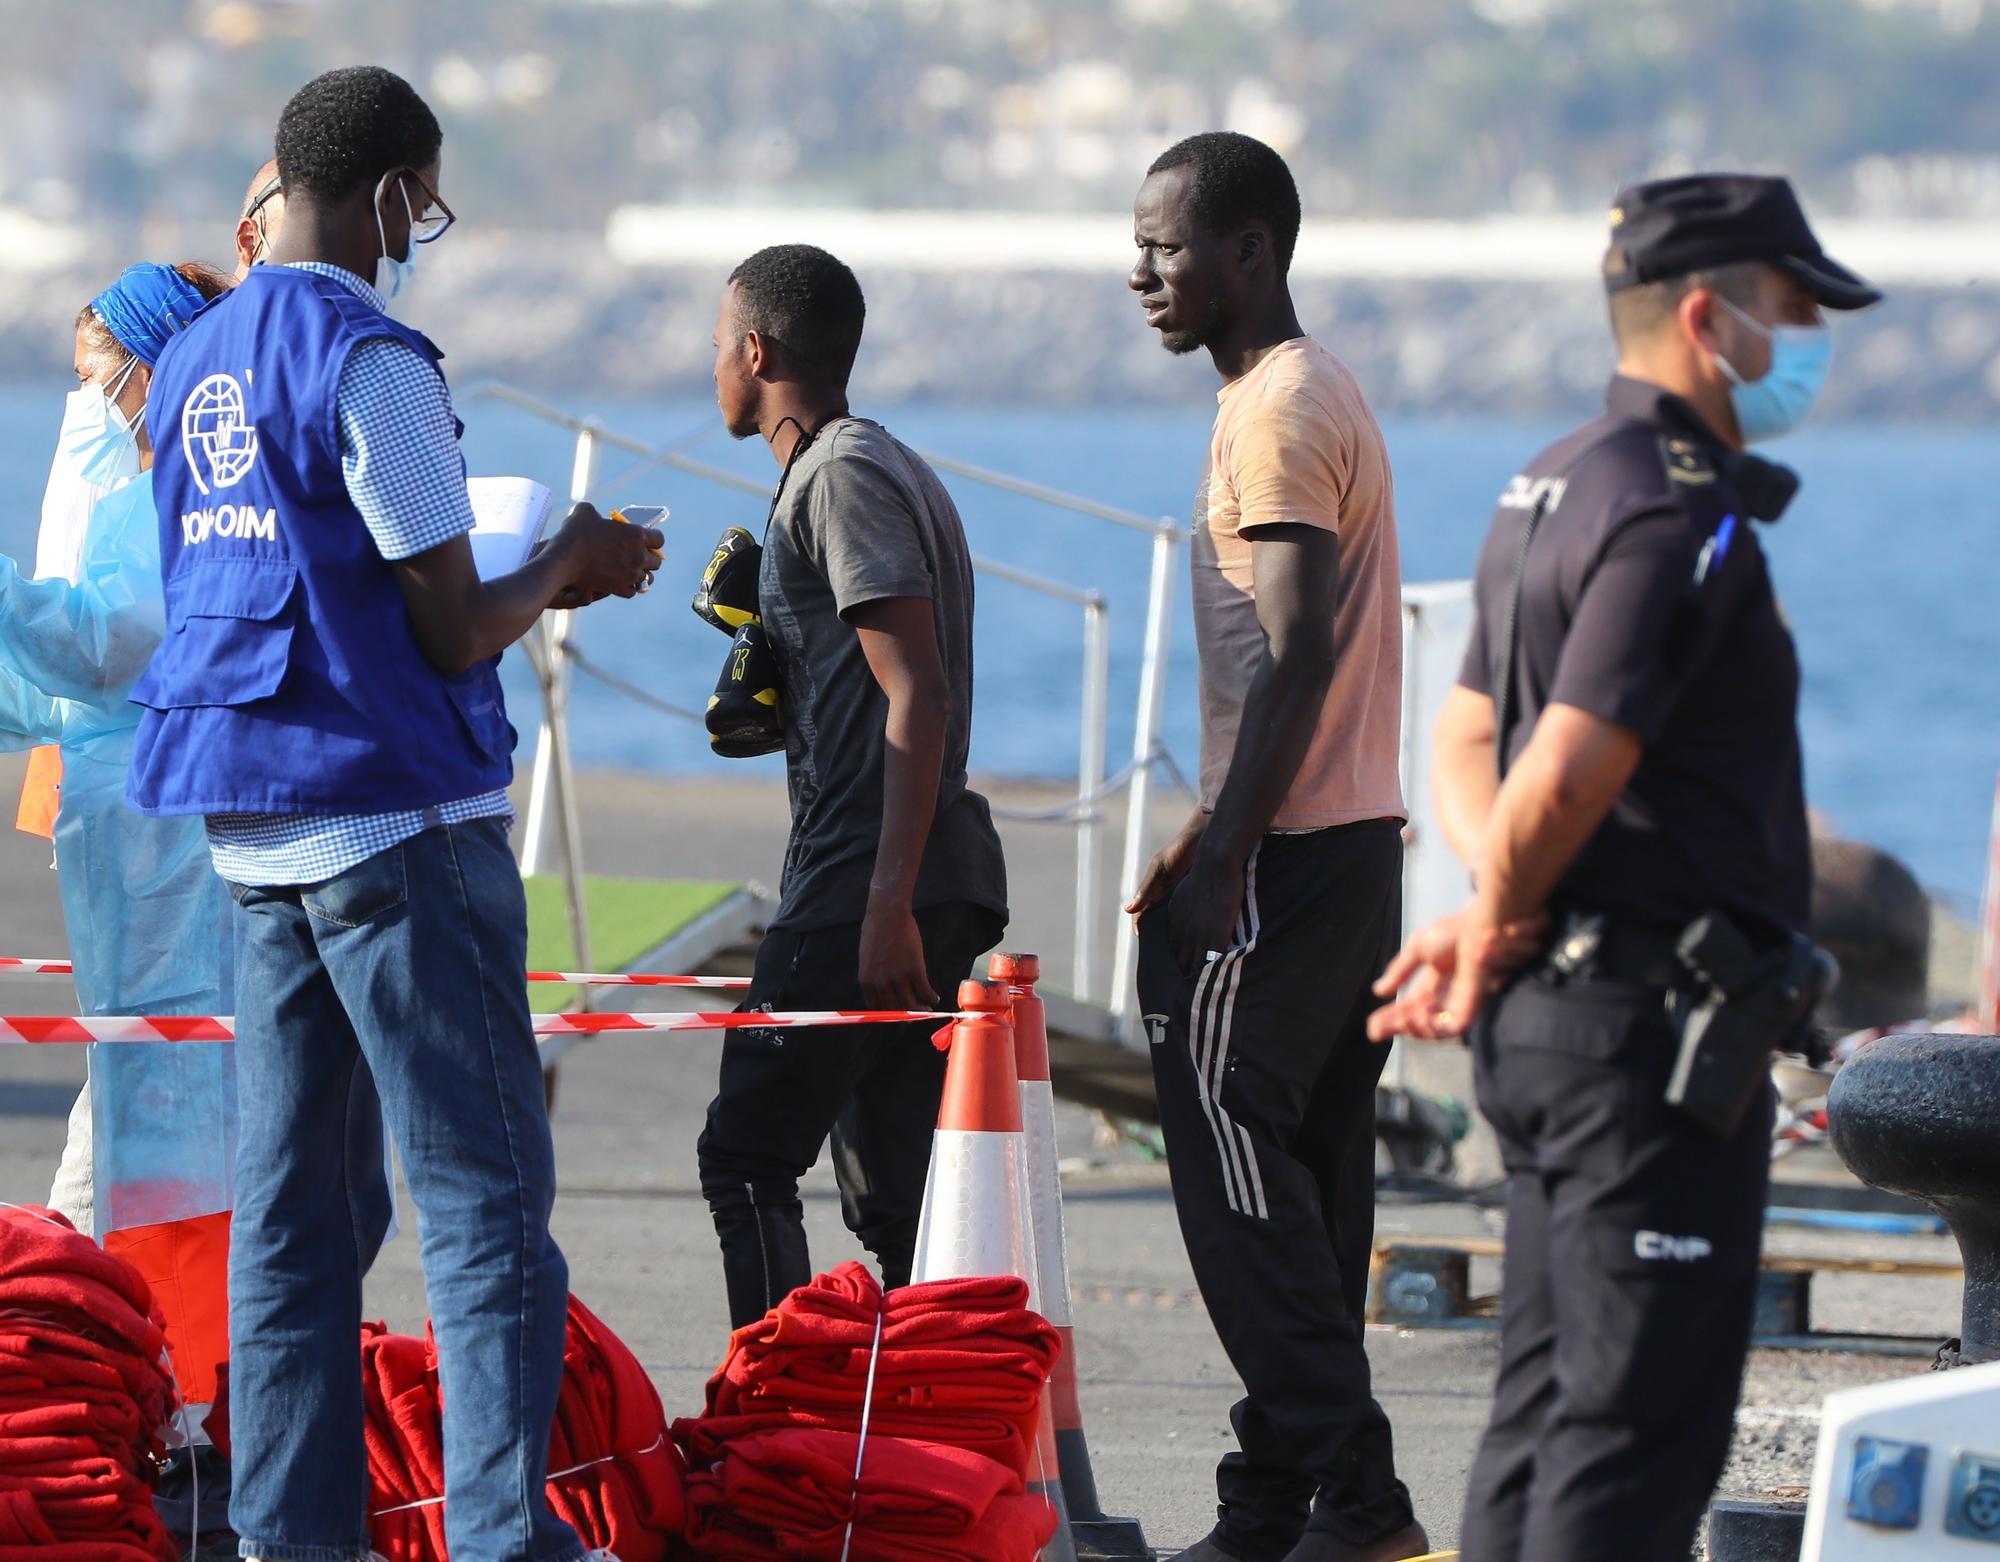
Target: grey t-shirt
[[862, 519]]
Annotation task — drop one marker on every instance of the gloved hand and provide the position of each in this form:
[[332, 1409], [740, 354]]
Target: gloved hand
[[743, 717], [728, 594]]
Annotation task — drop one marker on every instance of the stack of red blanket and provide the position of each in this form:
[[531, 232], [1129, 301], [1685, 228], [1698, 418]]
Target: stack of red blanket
[[84, 1395], [794, 1494], [613, 1473], [959, 1372]]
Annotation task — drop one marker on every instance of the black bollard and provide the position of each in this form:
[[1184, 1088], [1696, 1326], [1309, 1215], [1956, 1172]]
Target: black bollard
[[1920, 1115]]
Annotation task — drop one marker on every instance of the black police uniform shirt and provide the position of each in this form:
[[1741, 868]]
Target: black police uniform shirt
[[1645, 604], [861, 518]]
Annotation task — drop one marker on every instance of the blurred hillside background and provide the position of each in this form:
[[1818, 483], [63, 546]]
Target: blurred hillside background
[[604, 155], [975, 161]]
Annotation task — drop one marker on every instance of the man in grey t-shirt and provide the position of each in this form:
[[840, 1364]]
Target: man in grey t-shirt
[[894, 882]]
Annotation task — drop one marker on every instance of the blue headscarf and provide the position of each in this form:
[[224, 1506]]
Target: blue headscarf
[[145, 306]]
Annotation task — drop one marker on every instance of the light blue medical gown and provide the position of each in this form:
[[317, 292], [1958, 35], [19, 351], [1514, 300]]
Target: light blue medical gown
[[148, 930]]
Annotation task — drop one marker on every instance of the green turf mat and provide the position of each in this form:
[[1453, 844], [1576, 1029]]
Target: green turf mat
[[628, 918]]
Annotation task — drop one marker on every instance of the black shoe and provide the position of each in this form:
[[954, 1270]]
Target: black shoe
[[1205, 1550], [1406, 1543], [743, 718], [728, 594]]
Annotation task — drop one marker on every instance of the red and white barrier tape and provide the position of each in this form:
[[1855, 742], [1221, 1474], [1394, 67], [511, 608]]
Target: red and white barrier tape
[[23, 966], [37, 1029], [639, 979]]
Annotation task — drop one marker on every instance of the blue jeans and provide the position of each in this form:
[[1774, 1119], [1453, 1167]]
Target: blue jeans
[[411, 962]]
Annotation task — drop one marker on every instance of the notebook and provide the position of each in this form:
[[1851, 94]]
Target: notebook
[[510, 514]]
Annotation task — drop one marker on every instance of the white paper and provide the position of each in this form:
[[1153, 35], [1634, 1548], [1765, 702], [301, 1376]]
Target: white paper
[[509, 515]]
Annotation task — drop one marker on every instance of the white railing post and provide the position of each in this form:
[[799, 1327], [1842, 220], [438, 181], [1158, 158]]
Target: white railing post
[[1090, 755], [552, 801], [552, 671], [1145, 750], [535, 828], [571, 819]]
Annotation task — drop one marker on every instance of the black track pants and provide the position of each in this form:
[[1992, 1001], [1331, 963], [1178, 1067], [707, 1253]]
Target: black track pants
[[1266, 1081]]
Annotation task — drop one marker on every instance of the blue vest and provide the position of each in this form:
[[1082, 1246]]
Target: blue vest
[[289, 680]]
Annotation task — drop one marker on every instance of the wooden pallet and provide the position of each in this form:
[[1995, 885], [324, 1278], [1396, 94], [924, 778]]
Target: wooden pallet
[[1425, 1283]]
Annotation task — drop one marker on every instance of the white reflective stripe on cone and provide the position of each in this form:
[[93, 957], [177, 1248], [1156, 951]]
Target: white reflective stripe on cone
[[976, 1220], [1038, 1123], [1045, 1481]]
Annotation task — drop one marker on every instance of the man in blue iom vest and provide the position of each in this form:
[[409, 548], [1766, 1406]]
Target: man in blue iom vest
[[327, 697]]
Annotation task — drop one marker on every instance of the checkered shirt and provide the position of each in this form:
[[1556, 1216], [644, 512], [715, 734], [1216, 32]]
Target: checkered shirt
[[399, 457]]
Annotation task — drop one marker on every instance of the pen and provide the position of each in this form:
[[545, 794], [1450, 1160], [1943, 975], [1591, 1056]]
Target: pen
[[1716, 549]]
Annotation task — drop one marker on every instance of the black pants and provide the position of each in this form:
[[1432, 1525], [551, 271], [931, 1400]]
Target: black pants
[[1266, 1081], [1629, 1286], [875, 1088]]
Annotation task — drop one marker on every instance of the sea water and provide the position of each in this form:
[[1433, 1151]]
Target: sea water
[[1886, 564]]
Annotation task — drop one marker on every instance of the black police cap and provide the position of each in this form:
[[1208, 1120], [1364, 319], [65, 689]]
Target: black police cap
[[1670, 227]]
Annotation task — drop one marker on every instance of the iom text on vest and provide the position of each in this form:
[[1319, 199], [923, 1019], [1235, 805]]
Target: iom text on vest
[[229, 520]]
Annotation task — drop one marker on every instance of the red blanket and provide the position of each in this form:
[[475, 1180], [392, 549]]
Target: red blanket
[[84, 1395], [961, 1362], [635, 1505], [791, 1494], [958, 1379], [613, 1474], [405, 1439], [49, 1271]]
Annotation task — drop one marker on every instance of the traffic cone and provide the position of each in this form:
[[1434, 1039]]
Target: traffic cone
[[976, 1218], [1096, 1535]]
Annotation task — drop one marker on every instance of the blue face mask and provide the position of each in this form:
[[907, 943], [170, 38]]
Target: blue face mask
[[392, 276], [1801, 355], [98, 445]]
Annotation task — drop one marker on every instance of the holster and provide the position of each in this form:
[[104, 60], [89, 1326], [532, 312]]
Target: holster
[[1737, 1007]]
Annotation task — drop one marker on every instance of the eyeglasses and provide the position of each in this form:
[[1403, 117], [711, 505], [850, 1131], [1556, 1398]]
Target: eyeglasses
[[428, 225], [254, 212], [273, 188]]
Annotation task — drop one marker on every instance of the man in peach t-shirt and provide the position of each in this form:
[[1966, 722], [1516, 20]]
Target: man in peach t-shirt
[[1263, 923]]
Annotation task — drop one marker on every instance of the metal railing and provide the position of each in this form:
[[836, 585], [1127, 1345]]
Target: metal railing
[[555, 657]]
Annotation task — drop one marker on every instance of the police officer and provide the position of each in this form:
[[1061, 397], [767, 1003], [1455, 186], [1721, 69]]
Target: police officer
[[1631, 676]]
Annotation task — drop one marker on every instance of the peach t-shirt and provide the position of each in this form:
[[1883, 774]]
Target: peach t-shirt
[[1295, 442]]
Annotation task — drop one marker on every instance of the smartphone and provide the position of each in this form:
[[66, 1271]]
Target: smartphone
[[653, 515]]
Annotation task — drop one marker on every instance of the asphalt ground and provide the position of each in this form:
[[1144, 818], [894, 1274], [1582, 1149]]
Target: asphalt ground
[[1156, 1387]]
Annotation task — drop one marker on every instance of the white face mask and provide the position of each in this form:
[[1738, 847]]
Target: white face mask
[[393, 276], [96, 443], [70, 497]]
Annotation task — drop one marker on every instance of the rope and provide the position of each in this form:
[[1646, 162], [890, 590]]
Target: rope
[[861, 1441], [1083, 806], [554, 1475], [630, 690], [1077, 809]]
